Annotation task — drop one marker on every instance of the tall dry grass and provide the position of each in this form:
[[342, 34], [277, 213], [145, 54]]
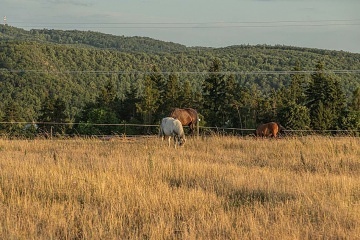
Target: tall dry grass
[[212, 188]]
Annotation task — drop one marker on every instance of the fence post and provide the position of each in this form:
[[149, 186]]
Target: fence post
[[197, 127]]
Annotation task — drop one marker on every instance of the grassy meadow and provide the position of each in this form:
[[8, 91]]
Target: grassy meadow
[[212, 188]]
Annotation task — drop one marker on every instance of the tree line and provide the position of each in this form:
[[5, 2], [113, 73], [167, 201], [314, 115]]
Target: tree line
[[80, 81], [309, 103]]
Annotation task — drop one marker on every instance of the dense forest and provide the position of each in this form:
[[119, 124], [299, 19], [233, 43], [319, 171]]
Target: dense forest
[[86, 77]]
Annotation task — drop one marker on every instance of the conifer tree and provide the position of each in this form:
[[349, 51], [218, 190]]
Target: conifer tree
[[293, 114], [355, 102], [172, 93], [12, 117], [107, 96], [296, 92], [127, 109], [148, 103], [186, 99], [231, 101], [350, 119], [53, 110], [213, 95], [220, 98], [325, 100]]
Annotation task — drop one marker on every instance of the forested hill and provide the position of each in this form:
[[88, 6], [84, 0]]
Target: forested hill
[[90, 39], [75, 66]]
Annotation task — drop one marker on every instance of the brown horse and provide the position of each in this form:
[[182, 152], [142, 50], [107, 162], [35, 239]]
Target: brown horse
[[270, 129], [187, 117]]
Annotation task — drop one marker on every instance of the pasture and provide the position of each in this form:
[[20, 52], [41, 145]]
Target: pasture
[[213, 188]]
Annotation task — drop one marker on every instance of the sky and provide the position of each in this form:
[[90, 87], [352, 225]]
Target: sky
[[323, 24]]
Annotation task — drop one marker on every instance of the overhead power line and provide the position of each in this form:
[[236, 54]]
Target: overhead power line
[[209, 22], [212, 24]]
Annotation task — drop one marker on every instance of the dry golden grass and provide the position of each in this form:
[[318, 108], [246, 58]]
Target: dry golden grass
[[213, 188]]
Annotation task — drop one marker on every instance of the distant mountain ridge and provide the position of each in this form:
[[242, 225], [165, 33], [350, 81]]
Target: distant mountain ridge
[[91, 39], [122, 43]]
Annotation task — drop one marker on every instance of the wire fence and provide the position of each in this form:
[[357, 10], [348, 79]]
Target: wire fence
[[117, 72], [52, 130]]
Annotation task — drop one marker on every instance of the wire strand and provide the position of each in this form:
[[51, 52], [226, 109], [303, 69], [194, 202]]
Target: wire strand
[[284, 72], [191, 25]]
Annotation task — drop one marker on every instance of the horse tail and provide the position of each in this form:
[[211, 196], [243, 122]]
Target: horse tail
[[161, 132]]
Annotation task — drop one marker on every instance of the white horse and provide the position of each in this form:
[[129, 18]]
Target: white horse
[[172, 127]]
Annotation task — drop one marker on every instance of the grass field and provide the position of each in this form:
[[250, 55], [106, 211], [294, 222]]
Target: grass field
[[212, 188]]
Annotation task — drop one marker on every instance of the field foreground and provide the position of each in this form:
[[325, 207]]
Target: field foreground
[[212, 188]]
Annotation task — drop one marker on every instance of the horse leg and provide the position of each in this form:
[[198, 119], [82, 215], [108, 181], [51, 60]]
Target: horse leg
[[190, 127], [169, 140]]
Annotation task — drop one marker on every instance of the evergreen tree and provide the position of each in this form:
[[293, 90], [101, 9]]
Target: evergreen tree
[[231, 102], [350, 122], [265, 110], [103, 111], [296, 93], [13, 118], [158, 87], [171, 94], [186, 98], [220, 98], [127, 110], [322, 117], [95, 120], [294, 116], [350, 119], [52, 113], [214, 96], [148, 103], [107, 96], [355, 102], [325, 100]]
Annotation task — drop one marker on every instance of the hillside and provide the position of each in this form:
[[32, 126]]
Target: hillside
[[90, 39], [75, 66]]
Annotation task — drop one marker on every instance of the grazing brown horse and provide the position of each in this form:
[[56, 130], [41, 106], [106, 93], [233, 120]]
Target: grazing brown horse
[[270, 129], [187, 117]]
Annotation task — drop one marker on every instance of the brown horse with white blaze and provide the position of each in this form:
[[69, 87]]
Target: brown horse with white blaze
[[270, 129], [187, 117]]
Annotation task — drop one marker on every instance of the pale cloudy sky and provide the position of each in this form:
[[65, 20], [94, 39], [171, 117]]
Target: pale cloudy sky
[[325, 24]]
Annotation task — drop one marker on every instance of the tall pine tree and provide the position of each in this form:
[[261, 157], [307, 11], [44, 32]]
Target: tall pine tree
[[325, 100], [148, 103], [293, 114], [220, 98], [213, 94], [52, 113], [172, 93]]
